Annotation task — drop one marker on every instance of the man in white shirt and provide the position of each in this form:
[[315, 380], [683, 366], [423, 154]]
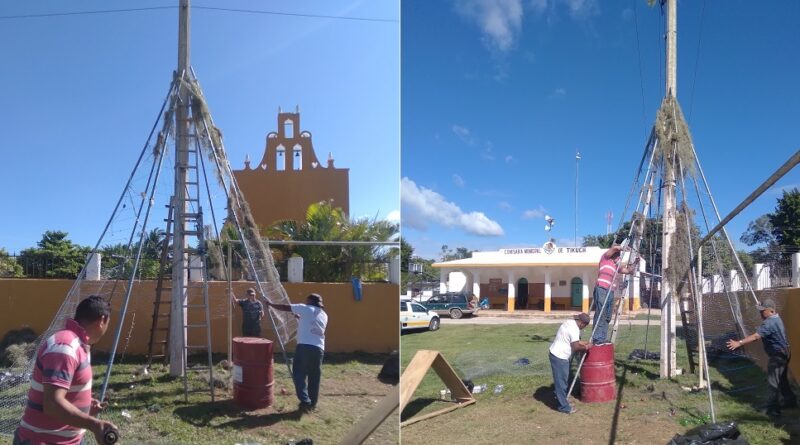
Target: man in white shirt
[[312, 321], [568, 340]]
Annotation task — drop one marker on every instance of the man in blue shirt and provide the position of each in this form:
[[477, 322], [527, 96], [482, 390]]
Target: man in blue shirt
[[252, 313], [773, 336]]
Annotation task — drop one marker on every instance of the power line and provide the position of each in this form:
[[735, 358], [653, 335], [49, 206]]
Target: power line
[[290, 14], [61, 14], [208, 8], [641, 77], [697, 58]]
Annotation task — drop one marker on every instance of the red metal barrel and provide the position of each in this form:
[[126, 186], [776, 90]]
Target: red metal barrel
[[252, 372], [598, 382]]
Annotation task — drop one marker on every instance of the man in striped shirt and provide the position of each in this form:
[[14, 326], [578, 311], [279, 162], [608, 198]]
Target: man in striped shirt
[[60, 405], [603, 294]]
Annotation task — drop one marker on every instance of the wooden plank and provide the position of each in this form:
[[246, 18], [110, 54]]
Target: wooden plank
[[436, 413], [451, 379], [359, 433], [414, 373], [422, 361]]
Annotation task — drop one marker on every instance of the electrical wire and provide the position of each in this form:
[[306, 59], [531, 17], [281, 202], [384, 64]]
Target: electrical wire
[[697, 59], [207, 8]]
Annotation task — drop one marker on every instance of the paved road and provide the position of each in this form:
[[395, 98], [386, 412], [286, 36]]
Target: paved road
[[493, 320]]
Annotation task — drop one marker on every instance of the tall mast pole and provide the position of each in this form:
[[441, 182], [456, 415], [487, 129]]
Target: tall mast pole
[[668, 298], [577, 161], [177, 332]]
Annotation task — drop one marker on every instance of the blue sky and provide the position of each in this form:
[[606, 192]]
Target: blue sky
[[80, 93], [495, 108]]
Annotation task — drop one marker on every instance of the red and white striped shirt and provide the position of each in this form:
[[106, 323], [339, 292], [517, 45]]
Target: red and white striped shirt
[[64, 361], [606, 271]]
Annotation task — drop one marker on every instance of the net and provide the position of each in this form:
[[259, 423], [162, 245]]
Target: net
[[131, 243]]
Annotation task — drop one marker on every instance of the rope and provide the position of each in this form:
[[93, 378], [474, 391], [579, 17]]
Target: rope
[[697, 58]]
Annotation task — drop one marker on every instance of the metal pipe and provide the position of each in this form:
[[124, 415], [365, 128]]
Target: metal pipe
[[785, 168]]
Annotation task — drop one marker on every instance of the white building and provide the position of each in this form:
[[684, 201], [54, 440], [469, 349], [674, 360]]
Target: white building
[[544, 278]]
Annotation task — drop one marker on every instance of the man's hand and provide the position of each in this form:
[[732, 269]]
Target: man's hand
[[96, 407], [100, 429], [734, 344]]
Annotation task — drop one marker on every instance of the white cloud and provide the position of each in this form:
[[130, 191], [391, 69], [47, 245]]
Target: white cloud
[[582, 9], [488, 151], [559, 92], [504, 205], [464, 134], [627, 14], [458, 181], [393, 216], [509, 159], [500, 21], [539, 6], [422, 207], [534, 213]]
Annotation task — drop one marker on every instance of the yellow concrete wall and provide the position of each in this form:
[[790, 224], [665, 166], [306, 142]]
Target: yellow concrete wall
[[370, 325], [787, 302]]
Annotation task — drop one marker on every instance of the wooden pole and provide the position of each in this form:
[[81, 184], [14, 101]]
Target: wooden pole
[[230, 306], [668, 298], [177, 332]]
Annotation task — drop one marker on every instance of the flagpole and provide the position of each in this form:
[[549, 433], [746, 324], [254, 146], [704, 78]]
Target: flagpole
[[577, 159]]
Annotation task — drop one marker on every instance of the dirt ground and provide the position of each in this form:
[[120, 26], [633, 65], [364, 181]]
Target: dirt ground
[[533, 419]]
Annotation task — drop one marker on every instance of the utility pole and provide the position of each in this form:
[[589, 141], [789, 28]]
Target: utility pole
[[577, 159], [668, 298], [177, 332]]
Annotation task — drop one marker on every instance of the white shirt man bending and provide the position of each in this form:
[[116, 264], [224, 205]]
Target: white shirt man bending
[[567, 341]]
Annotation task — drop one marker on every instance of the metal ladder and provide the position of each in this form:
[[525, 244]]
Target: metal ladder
[[193, 218], [690, 333], [155, 329], [192, 306]]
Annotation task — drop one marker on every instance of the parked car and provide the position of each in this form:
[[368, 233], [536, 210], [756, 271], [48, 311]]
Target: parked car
[[454, 304], [416, 316]]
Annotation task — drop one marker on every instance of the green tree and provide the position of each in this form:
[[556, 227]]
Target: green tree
[[786, 219], [54, 256], [336, 263], [9, 268], [776, 234], [448, 254]]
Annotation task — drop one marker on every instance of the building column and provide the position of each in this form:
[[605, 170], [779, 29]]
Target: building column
[[467, 283], [476, 285], [585, 303], [547, 291], [443, 275], [636, 287], [736, 282], [761, 276], [796, 269], [512, 291]]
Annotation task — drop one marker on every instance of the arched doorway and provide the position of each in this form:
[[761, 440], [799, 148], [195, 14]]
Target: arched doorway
[[576, 292], [521, 301]]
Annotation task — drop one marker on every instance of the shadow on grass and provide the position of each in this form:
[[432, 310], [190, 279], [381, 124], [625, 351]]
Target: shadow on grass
[[615, 419], [547, 396], [203, 414], [413, 408], [536, 338]]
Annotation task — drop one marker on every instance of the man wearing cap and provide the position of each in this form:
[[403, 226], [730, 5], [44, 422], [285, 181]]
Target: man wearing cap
[[603, 294], [566, 342], [252, 313], [312, 321], [773, 335]]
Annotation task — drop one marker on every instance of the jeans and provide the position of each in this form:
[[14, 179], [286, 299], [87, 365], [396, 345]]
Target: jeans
[[601, 318], [777, 369], [560, 368], [307, 364], [251, 330]]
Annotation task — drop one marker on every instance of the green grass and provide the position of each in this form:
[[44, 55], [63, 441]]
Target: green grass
[[486, 354], [160, 415]]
